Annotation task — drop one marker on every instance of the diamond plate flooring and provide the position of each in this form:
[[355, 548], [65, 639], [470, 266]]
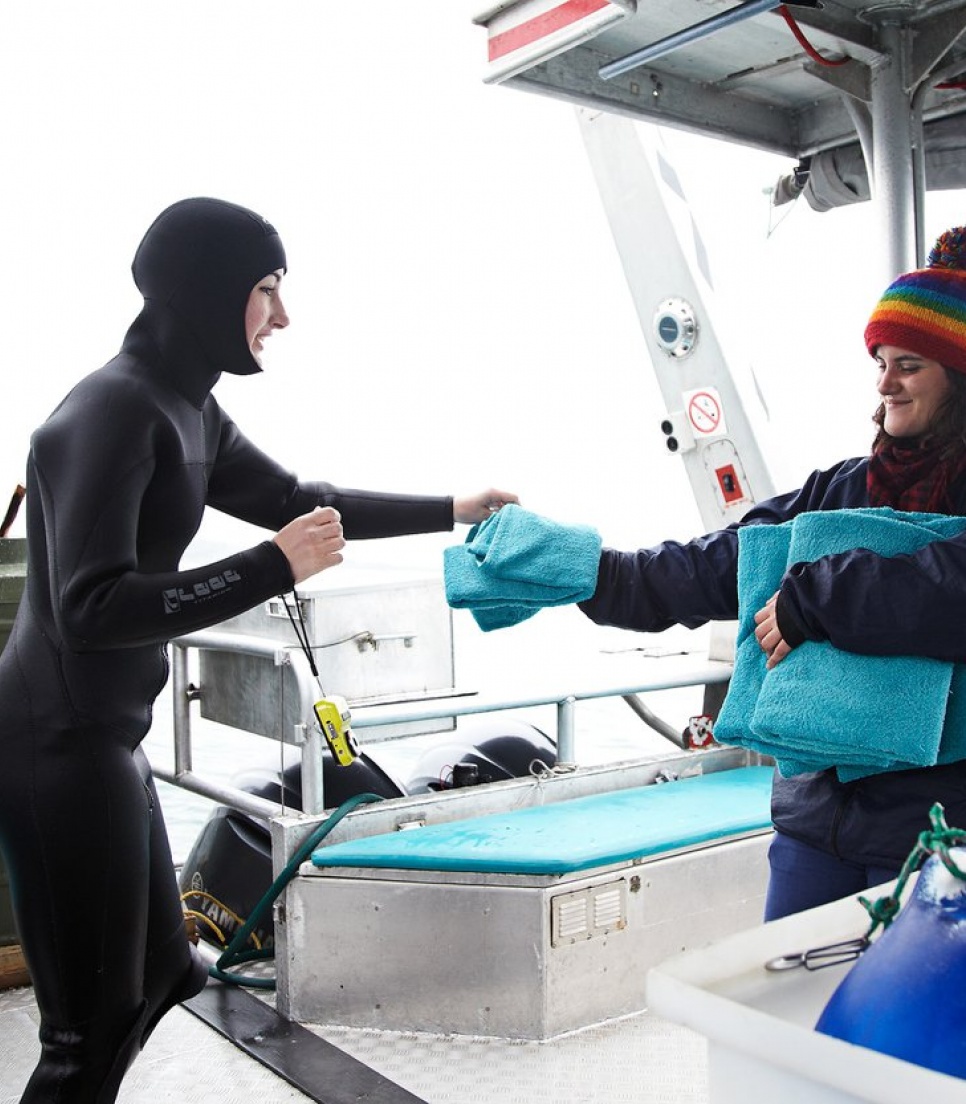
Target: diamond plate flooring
[[640, 1059], [184, 1061]]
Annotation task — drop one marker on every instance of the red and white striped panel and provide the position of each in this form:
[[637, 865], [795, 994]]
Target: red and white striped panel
[[524, 33]]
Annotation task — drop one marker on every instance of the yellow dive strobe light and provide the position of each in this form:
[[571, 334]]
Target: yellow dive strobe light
[[334, 719]]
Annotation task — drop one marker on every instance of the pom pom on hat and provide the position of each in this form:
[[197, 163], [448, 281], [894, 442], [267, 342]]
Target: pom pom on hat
[[949, 250], [925, 311]]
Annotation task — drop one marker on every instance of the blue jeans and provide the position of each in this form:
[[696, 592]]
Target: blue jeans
[[802, 877]]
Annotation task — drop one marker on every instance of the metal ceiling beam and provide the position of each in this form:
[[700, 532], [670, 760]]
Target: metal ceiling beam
[[694, 33], [717, 109]]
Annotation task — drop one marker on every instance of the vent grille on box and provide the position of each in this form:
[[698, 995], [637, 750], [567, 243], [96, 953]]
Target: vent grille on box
[[586, 913]]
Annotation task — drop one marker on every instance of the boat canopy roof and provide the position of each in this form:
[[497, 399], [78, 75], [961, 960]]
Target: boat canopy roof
[[856, 90], [768, 75]]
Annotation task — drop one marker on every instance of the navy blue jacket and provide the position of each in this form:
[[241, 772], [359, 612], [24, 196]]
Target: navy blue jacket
[[860, 602]]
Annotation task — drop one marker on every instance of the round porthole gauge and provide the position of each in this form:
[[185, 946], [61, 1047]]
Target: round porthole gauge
[[675, 327]]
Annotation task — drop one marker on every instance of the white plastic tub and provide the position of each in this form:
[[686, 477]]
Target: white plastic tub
[[759, 1024]]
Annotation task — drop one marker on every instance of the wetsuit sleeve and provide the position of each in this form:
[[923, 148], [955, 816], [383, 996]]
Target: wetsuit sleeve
[[112, 537], [118, 506], [248, 484], [105, 601]]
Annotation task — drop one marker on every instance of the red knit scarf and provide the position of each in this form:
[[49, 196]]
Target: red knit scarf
[[909, 477]]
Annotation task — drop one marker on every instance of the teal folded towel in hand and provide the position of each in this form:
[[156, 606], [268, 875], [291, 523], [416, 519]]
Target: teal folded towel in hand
[[822, 707], [516, 562], [762, 560]]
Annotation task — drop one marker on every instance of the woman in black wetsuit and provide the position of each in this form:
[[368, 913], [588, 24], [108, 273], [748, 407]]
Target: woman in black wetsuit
[[118, 479]]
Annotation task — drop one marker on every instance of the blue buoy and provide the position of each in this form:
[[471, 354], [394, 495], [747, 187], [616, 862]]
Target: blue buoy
[[906, 996]]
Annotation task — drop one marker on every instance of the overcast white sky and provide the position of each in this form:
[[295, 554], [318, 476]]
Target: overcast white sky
[[459, 314]]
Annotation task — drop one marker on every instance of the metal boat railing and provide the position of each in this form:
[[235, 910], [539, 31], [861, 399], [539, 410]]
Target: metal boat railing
[[371, 718]]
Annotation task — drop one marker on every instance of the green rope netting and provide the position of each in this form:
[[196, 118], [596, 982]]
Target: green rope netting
[[936, 840]]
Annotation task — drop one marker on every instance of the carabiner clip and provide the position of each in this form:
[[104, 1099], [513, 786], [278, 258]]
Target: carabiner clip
[[834, 954]]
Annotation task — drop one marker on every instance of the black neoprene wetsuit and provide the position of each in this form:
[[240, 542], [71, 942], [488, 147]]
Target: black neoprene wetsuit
[[118, 479]]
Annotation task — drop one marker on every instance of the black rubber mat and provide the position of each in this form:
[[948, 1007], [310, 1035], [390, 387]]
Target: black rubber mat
[[310, 1064]]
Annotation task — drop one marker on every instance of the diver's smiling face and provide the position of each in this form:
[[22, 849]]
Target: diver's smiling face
[[264, 312]]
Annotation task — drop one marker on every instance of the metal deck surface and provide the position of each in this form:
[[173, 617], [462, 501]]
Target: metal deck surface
[[642, 1059]]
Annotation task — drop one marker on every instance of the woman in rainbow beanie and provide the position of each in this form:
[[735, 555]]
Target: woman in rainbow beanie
[[835, 838]]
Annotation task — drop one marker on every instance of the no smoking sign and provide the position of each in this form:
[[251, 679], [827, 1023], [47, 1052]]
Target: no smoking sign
[[705, 412]]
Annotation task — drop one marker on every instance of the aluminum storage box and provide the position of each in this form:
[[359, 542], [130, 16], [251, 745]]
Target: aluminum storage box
[[372, 642], [527, 923], [512, 957]]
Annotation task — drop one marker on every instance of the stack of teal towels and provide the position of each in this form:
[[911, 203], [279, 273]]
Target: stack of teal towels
[[821, 707]]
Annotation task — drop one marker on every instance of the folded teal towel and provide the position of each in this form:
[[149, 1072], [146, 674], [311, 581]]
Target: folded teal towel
[[762, 560], [822, 707], [953, 746], [516, 562]]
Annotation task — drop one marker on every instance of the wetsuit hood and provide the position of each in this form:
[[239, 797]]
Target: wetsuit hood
[[196, 267]]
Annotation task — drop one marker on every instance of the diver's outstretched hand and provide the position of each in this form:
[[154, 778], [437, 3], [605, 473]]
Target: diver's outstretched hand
[[478, 507], [312, 542]]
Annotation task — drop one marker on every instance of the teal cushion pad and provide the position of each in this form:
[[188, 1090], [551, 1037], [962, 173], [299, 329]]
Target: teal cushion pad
[[566, 836]]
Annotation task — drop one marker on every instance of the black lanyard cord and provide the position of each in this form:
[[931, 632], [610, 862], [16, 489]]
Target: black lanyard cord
[[301, 634]]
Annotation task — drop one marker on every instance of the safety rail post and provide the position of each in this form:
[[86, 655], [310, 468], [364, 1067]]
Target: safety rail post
[[306, 734], [183, 693], [566, 732]]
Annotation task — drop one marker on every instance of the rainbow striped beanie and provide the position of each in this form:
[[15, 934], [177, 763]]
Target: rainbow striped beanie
[[925, 311]]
